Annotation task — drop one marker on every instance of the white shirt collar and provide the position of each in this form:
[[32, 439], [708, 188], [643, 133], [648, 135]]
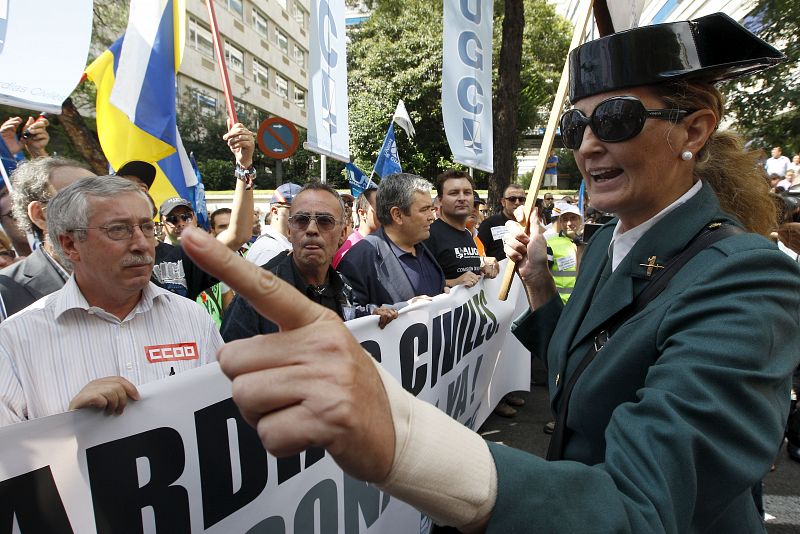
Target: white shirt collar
[[622, 242], [70, 297]]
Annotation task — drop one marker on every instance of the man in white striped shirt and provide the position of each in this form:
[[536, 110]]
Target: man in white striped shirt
[[109, 328]]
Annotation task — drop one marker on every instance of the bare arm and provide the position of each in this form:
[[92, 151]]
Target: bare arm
[[242, 143]]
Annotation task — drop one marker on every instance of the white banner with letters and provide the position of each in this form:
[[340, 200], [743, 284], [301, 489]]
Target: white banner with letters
[[43, 51], [328, 130], [467, 81], [183, 460]]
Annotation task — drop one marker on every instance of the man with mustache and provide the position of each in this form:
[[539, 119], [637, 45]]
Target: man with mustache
[[109, 329], [316, 231]]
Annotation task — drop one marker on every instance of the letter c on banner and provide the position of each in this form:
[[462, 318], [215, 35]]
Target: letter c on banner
[[326, 23], [463, 51], [472, 16], [468, 99]]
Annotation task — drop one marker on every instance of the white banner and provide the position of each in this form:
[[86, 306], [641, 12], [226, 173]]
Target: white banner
[[467, 81], [43, 51], [328, 130], [183, 460]]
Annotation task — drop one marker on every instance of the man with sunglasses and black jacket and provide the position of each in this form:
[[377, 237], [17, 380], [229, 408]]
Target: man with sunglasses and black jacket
[[316, 230], [492, 229]]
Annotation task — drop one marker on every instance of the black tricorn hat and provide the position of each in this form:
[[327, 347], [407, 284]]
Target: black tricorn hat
[[711, 49]]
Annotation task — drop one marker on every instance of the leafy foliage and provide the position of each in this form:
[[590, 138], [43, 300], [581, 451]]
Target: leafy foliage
[[397, 54], [766, 106]]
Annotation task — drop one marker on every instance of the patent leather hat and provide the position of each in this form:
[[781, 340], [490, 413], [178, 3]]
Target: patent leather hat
[[710, 49]]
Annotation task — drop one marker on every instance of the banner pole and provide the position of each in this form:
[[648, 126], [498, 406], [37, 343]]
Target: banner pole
[[223, 69], [547, 141]]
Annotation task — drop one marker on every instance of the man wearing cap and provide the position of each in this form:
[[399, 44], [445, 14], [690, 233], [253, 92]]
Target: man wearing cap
[[450, 242], [41, 273], [562, 248], [367, 222], [275, 237]]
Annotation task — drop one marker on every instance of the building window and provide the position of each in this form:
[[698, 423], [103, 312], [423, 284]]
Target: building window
[[281, 86], [260, 73], [299, 14], [207, 104], [234, 58], [200, 39], [260, 23], [299, 97], [282, 41], [282, 3], [299, 56], [236, 7]]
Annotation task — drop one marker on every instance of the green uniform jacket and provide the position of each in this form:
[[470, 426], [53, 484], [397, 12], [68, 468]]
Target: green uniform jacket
[[683, 410]]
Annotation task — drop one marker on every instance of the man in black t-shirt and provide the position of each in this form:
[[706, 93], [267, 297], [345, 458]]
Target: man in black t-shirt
[[492, 230], [450, 242]]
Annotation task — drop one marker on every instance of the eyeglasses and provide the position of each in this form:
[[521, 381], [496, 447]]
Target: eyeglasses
[[9, 253], [173, 219], [324, 221], [614, 120], [122, 231], [516, 200], [548, 198]]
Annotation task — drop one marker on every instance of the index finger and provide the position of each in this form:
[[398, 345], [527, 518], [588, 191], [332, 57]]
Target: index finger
[[270, 296]]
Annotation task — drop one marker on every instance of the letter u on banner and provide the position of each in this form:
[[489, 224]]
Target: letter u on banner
[[467, 81], [328, 131]]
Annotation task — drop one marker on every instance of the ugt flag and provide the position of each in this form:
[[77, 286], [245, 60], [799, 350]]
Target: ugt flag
[[136, 96], [388, 161], [358, 180]]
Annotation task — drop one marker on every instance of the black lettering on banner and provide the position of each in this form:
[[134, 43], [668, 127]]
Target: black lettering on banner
[[460, 320], [413, 343], [492, 330], [449, 353], [478, 363], [476, 300], [270, 525], [374, 348], [290, 466], [436, 348], [305, 518], [472, 315], [216, 472], [33, 498], [457, 394], [360, 496], [113, 478]]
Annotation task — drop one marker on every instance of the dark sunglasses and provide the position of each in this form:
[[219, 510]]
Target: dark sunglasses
[[302, 220], [173, 219], [517, 200], [614, 120]]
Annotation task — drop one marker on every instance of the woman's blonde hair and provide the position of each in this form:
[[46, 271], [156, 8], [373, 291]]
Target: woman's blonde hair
[[724, 163]]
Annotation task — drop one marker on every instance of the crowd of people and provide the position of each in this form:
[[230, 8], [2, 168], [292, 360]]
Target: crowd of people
[[693, 314]]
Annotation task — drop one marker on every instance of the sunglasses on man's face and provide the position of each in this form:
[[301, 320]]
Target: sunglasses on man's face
[[324, 221], [516, 200], [614, 120], [173, 219]]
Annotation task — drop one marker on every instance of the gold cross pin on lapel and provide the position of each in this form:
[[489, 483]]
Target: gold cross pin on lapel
[[651, 264]]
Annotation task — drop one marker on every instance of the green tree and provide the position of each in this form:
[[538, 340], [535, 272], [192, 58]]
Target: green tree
[[766, 106], [397, 54]]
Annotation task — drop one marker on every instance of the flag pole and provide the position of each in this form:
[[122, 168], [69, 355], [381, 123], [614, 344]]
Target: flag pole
[[223, 69], [323, 168], [547, 141]]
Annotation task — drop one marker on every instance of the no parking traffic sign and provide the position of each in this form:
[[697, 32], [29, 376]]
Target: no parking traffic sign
[[277, 138]]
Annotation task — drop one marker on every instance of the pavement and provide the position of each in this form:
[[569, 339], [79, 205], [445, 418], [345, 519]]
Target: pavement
[[524, 431]]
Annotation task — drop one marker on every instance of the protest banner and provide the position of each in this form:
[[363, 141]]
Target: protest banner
[[40, 66], [328, 129], [467, 82], [183, 460]]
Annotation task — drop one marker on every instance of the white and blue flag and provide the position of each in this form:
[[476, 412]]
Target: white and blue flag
[[358, 181], [467, 82], [388, 161]]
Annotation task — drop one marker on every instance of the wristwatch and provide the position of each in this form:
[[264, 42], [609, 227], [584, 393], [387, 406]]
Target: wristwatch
[[247, 175]]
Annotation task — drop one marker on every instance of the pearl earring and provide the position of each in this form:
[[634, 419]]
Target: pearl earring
[[686, 155]]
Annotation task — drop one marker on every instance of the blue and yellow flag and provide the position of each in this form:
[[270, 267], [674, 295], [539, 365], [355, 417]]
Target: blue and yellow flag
[[136, 96]]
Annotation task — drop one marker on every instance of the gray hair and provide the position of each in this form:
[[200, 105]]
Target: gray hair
[[31, 181], [397, 190], [319, 186], [69, 209]]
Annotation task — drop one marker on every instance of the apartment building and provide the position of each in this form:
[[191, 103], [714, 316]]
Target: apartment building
[[266, 51]]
